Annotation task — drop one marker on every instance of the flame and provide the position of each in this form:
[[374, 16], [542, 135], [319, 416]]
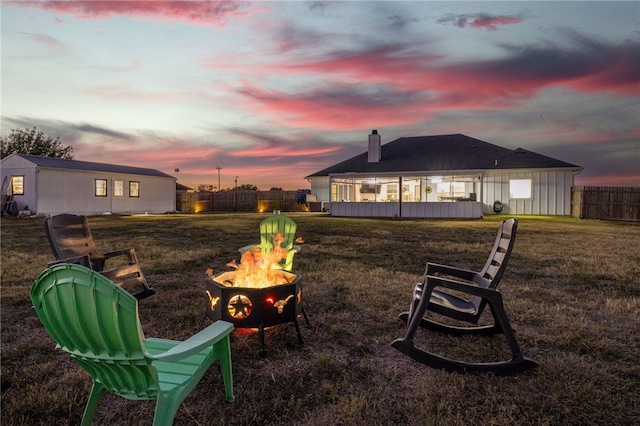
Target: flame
[[259, 270]]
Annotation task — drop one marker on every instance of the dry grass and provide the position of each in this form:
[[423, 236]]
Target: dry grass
[[572, 291]]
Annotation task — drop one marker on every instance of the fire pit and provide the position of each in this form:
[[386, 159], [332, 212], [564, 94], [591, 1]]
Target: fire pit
[[259, 293], [256, 307]]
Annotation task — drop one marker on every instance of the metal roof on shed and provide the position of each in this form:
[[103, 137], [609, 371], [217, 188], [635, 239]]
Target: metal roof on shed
[[62, 163]]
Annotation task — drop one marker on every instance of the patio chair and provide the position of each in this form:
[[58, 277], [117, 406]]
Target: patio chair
[[269, 229], [475, 290], [71, 240], [97, 324]]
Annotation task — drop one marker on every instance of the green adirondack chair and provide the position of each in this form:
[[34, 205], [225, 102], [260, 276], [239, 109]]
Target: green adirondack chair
[[269, 229], [96, 323]]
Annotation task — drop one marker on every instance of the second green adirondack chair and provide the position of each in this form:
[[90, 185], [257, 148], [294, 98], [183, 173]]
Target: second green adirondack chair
[[269, 229], [96, 323]]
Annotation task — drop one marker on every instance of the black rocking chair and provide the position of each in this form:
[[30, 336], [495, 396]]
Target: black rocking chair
[[481, 289], [71, 241]]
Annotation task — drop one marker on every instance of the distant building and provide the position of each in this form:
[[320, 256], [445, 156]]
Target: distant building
[[446, 176], [53, 185]]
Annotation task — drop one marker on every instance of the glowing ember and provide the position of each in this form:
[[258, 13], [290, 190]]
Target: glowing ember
[[256, 269]]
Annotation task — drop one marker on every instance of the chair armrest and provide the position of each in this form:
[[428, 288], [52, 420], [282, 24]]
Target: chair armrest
[[464, 287], [245, 248], [465, 274], [78, 260], [129, 252], [202, 340]]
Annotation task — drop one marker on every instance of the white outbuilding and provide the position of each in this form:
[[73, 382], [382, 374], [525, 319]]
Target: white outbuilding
[[48, 186]]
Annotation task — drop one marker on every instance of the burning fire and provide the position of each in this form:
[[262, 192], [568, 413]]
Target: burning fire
[[257, 269]]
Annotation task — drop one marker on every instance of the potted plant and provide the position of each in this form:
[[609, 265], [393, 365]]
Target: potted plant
[[276, 206]]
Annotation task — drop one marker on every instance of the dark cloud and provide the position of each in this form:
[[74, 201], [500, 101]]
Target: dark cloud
[[399, 22], [88, 128], [67, 132]]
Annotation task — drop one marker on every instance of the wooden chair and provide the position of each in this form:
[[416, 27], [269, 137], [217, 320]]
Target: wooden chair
[[269, 230], [480, 289], [71, 242], [97, 324]]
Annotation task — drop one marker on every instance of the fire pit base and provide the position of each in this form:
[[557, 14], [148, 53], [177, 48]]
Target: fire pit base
[[256, 308]]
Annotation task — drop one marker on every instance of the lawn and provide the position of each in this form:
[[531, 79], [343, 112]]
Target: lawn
[[572, 292]]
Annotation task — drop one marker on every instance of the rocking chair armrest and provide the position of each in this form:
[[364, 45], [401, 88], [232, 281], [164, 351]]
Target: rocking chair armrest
[[465, 287], [78, 260], [196, 343], [129, 252], [453, 271]]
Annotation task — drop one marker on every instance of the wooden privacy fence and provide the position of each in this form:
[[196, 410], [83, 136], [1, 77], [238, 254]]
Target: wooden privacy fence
[[247, 201], [605, 202]]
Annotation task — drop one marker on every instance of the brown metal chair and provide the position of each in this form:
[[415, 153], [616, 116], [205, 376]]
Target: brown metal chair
[[71, 242], [481, 290]]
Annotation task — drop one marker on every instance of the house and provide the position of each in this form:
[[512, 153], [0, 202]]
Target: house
[[446, 176], [54, 185]]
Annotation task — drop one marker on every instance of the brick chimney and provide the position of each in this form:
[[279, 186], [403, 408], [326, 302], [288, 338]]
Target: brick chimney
[[374, 147]]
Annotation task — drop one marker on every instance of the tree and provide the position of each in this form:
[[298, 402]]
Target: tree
[[247, 187], [205, 188], [33, 142]]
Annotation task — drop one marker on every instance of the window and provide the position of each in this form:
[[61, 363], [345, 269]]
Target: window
[[134, 189], [450, 191], [17, 185], [101, 187], [520, 188], [118, 188]]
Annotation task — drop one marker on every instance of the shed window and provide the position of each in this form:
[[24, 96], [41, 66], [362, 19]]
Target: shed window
[[118, 188], [520, 189], [134, 189], [17, 185], [101, 187]]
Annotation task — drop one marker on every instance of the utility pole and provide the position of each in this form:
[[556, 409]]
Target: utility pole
[[219, 168], [235, 196]]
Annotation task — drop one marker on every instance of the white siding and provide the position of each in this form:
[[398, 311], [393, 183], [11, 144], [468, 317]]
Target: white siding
[[71, 191], [320, 188], [17, 166], [551, 193], [55, 191], [468, 210]]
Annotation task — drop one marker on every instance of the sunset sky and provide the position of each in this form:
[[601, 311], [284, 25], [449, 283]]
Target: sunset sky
[[275, 91]]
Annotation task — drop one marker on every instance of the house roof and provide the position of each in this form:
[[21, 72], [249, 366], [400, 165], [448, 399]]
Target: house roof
[[443, 153], [62, 163]]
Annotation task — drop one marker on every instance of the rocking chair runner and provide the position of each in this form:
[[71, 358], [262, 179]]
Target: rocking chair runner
[[71, 242], [97, 324], [481, 287]]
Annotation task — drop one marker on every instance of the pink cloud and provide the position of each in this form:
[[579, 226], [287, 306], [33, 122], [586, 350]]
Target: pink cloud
[[491, 22], [608, 180], [281, 151], [521, 73], [336, 108], [194, 12], [480, 20]]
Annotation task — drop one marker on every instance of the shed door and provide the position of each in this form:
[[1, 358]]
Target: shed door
[[117, 201]]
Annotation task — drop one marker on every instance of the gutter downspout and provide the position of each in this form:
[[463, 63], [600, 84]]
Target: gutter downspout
[[400, 196]]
